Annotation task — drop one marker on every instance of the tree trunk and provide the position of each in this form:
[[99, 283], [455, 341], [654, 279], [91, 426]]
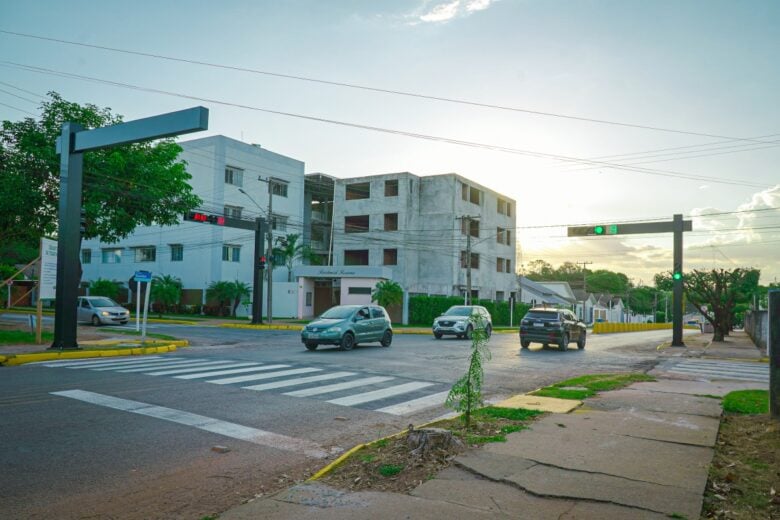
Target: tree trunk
[[422, 442]]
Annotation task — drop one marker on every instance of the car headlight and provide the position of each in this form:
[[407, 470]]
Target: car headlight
[[105, 313], [334, 329]]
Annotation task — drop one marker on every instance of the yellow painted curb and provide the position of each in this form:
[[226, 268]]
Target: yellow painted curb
[[20, 359], [259, 327]]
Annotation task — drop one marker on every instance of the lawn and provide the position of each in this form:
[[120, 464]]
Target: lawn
[[582, 387], [20, 337]]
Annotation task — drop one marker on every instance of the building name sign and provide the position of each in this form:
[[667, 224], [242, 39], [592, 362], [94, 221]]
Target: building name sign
[[338, 271]]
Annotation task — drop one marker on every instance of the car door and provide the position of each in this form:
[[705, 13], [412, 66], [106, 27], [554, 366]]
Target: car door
[[363, 325], [85, 310], [377, 323], [571, 326]]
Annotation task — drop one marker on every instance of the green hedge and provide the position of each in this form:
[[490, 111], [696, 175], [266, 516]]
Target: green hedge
[[423, 309]]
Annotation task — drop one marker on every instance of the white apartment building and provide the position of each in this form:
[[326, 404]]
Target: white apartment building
[[415, 231], [225, 176]]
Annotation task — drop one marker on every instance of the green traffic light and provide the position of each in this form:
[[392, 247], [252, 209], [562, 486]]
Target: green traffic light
[[677, 276], [599, 230]]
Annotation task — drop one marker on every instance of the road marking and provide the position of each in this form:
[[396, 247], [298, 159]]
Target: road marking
[[722, 370], [227, 429], [415, 405], [339, 386], [376, 395], [255, 377], [233, 371], [298, 381], [714, 374], [59, 364], [176, 364], [202, 368], [133, 364]]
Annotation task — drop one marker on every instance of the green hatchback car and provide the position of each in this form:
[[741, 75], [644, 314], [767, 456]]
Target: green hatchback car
[[348, 325]]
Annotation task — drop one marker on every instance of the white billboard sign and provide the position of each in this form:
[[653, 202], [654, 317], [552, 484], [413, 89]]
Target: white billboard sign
[[48, 276]]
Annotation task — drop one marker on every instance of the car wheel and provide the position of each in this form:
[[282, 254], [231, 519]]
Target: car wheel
[[387, 338], [95, 320], [488, 331], [564, 344], [581, 341], [437, 335], [311, 345], [469, 331], [347, 341], [525, 343]]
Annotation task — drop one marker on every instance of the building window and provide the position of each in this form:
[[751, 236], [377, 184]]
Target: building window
[[231, 253], [391, 221], [508, 236], [475, 196], [86, 256], [499, 296], [112, 256], [391, 188], [234, 176], [145, 254], [464, 192], [469, 227], [279, 188], [177, 252], [390, 257], [356, 224], [504, 207], [500, 235], [356, 257], [358, 190], [233, 211], [508, 266], [499, 265], [279, 223], [474, 260], [359, 290]]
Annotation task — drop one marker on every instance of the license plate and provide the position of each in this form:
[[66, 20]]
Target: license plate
[[313, 335], [538, 324]]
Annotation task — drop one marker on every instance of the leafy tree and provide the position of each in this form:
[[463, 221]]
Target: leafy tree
[[124, 187], [539, 271], [466, 394], [289, 250], [717, 294], [642, 299], [6, 271], [387, 293], [603, 281], [103, 287], [228, 293], [166, 291]]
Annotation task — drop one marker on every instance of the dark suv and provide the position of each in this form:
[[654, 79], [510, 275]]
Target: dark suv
[[545, 326]]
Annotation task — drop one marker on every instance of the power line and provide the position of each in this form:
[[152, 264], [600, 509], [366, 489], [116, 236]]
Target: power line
[[372, 89], [473, 144]]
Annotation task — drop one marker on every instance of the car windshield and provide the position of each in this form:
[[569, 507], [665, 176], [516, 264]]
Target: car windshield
[[458, 310], [338, 313], [542, 315], [103, 302]]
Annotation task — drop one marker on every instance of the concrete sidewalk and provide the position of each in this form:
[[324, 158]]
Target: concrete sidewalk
[[642, 452]]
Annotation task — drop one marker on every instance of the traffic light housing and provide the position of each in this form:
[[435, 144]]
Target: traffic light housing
[[198, 216], [83, 222], [597, 230], [677, 275], [261, 263]]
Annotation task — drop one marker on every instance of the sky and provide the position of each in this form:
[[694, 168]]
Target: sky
[[584, 112]]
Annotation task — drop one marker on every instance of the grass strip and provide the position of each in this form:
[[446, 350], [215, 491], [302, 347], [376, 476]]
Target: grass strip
[[20, 337], [582, 387], [751, 402]]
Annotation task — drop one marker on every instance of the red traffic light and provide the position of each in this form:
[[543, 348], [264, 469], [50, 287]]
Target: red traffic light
[[203, 217]]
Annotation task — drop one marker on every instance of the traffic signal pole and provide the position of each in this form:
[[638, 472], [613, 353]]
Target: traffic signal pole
[[677, 288], [257, 294], [676, 226]]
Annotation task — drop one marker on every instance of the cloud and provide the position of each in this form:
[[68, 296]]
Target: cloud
[[445, 11]]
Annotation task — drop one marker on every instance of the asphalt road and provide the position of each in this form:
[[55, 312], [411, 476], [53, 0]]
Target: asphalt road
[[84, 441]]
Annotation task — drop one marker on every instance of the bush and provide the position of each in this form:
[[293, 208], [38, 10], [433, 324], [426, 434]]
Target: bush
[[423, 309]]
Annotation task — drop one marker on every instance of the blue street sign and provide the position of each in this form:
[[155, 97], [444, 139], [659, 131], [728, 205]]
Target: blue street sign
[[143, 276]]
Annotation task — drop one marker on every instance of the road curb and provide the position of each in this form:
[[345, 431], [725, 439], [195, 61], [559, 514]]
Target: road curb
[[21, 359]]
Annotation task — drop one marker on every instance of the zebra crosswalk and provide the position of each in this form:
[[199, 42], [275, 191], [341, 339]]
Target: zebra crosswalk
[[386, 394], [717, 369]]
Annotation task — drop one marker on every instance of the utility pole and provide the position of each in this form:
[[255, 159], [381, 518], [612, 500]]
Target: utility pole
[[270, 255], [584, 274], [466, 221]]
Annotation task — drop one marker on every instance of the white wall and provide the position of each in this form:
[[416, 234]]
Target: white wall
[[356, 299]]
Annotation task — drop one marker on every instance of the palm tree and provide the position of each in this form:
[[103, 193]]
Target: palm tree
[[290, 251], [228, 293], [166, 291], [387, 292], [240, 291]]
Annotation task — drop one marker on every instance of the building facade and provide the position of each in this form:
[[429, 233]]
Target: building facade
[[225, 175], [422, 232]]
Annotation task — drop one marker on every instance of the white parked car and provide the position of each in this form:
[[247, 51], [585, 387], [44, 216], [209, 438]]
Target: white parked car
[[100, 310], [460, 321]]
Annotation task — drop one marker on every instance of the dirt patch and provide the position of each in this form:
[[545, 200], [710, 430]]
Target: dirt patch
[[744, 481], [388, 465]]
